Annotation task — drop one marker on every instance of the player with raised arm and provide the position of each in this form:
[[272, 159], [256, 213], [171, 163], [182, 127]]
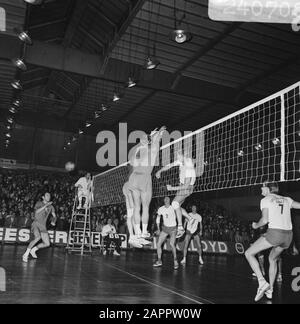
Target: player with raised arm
[[193, 231], [169, 228], [42, 211], [187, 178], [84, 185], [143, 160], [276, 212]]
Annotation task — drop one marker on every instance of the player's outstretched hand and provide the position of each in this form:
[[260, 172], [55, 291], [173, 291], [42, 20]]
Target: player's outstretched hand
[[254, 225], [169, 187], [157, 174]]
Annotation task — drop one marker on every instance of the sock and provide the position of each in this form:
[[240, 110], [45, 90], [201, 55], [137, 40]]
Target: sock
[[261, 281], [27, 252], [137, 229], [145, 226]]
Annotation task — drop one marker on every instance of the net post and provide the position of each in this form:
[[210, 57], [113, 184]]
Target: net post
[[282, 141]]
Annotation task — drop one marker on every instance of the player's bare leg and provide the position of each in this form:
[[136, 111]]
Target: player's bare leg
[[30, 247], [260, 245], [173, 248], [130, 221], [146, 199], [45, 244], [273, 269], [197, 241], [187, 240], [161, 239], [176, 204]]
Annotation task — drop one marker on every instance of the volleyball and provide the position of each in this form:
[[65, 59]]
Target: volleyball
[[69, 166]]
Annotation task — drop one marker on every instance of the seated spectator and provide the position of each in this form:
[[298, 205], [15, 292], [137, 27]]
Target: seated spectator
[[108, 229], [11, 221]]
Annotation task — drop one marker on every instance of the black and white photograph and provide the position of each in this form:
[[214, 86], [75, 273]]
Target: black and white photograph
[[150, 155]]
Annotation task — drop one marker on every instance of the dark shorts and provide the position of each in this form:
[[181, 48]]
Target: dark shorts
[[279, 238], [170, 230], [38, 228]]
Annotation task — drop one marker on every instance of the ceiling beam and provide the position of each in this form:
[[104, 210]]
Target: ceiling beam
[[133, 8], [119, 30]]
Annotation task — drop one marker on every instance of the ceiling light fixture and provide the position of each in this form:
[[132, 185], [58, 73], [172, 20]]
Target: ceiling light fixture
[[151, 63], [131, 83], [19, 63], [16, 85], [13, 110]]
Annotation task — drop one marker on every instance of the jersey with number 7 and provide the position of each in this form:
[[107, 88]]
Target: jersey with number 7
[[279, 210]]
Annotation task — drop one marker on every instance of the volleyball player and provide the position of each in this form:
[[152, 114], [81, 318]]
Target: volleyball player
[[140, 181], [193, 231], [42, 211], [133, 239], [276, 212], [187, 177], [169, 228], [84, 186]]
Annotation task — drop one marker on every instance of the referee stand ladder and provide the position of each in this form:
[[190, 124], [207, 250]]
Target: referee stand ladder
[[79, 238]]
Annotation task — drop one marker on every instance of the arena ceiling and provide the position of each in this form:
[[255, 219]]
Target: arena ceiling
[[84, 50]]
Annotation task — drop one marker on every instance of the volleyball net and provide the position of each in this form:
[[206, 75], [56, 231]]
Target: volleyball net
[[260, 142]]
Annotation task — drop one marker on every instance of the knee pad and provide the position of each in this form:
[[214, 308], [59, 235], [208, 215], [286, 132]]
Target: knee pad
[[129, 212], [175, 204]]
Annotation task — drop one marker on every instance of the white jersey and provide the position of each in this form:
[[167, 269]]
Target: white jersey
[[193, 222], [84, 183], [186, 170], [279, 211], [108, 229], [169, 216]]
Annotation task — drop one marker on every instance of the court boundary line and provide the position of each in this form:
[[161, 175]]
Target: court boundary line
[[201, 300]]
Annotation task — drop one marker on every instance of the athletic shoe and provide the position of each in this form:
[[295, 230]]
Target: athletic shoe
[[261, 291], [116, 253], [104, 252], [279, 277], [183, 261], [176, 265], [146, 236], [157, 264], [201, 261], [134, 241], [33, 254], [269, 293], [25, 258], [180, 232], [143, 241]]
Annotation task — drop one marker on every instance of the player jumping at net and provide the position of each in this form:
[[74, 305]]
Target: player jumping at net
[[42, 211], [143, 161], [187, 178], [276, 212], [169, 228], [84, 185], [134, 240], [193, 231]]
